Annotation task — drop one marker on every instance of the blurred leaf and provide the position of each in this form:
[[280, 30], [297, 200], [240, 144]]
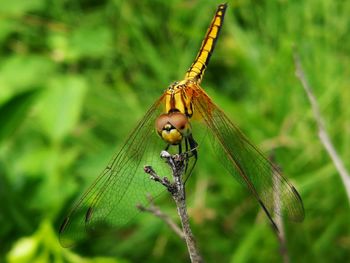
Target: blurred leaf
[[43, 246], [18, 7], [58, 43], [61, 105], [90, 42], [19, 72], [242, 252], [23, 250], [6, 27], [14, 111]]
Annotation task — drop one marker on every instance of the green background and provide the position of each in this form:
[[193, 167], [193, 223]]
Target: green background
[[76, 76]]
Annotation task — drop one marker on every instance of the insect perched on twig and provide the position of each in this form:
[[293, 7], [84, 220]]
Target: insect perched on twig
[[111, 200]]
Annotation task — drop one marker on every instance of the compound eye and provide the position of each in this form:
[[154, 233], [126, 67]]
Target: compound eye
[[161, 121], [178, 120]]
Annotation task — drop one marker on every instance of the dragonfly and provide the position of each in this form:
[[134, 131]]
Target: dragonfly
[[112, 200]]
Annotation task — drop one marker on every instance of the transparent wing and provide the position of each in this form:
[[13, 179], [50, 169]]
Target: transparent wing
[[111, 200], [249, 166]]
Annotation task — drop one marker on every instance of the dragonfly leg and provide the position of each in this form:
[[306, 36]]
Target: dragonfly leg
[[167, 147], [193, 145], [186, 154], [180, 148], [191, 153]]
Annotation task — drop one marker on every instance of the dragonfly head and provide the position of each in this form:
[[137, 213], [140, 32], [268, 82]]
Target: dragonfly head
[[172, 127]]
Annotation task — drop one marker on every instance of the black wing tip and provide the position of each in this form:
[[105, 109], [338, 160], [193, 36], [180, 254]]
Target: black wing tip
[[88, 214], [63, 225], [301, 216], [274, 225], [65, 243]]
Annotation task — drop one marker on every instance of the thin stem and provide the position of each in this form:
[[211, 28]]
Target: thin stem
[[344, 175], [156, 211], [177, 190]]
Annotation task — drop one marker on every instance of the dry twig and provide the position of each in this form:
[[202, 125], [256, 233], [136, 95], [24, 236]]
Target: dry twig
[[155, 210], [177, 191], [344, 175]]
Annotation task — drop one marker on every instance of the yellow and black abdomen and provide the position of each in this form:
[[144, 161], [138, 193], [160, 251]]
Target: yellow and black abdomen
[[198, 67]]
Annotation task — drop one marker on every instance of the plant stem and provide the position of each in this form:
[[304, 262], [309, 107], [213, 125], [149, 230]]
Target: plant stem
[[177, 191]]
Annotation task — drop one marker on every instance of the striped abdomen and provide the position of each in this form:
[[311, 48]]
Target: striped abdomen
[[198, 67]]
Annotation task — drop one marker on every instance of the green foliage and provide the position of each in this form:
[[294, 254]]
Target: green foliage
[[14, 111], [76, 76], [62, 104]]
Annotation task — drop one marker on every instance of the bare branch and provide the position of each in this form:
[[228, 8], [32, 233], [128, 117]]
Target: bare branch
[[177, 191], [155, 210], [155, 177], [344, 175]]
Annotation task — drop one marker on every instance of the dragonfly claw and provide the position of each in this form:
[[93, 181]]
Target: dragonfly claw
[[165, 154]]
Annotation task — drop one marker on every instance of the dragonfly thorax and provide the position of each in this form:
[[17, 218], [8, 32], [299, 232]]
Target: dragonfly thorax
[[178, 98]]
